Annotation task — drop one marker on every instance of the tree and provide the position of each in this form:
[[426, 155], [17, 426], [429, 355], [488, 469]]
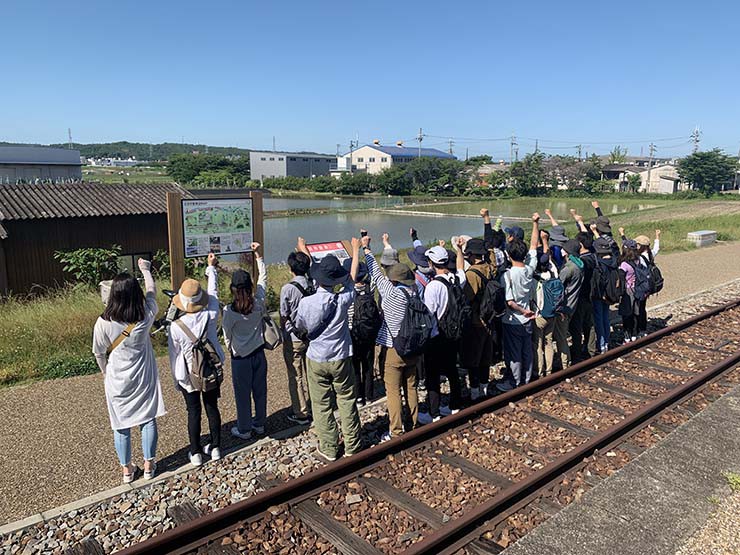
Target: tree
[[708, 171], [528, 174], [634, 181], [618, 155]]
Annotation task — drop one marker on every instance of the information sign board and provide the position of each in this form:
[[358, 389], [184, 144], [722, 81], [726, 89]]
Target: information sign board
[[219, 225], [320, 250]]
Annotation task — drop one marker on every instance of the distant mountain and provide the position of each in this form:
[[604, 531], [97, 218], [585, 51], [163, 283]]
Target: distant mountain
[[142, 151]]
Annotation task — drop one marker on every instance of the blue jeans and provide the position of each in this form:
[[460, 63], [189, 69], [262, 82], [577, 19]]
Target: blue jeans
[[249, 376], [149, 436], [601, 323]]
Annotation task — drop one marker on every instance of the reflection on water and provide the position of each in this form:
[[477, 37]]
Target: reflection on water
[[276, 203]]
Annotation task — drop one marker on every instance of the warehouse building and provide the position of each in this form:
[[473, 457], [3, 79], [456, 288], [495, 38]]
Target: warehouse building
[[284, 164], [28, 164], [37, 220], [376, 157]]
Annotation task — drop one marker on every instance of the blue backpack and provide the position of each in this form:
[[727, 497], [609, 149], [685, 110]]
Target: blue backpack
[[643, 286], [553, 297]]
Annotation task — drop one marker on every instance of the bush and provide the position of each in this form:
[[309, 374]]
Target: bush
[[92, 265], [66, 366]]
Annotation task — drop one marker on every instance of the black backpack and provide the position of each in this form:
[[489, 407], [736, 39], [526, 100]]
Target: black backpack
[[607, 283], [366, 319], [656, 276], [642, 288], [458, 315], [305, 291], [416, 327], [493, 301]]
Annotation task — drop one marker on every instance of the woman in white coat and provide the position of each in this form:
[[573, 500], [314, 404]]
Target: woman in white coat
[[124, 353]]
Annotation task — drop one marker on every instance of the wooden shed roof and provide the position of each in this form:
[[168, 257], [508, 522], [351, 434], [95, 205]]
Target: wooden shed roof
[[80, 200]]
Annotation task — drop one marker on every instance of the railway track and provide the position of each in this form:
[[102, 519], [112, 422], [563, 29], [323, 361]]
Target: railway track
[[476, 481]]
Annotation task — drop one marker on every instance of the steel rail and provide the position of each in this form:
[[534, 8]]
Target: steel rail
[[453, 536], [190, 535]]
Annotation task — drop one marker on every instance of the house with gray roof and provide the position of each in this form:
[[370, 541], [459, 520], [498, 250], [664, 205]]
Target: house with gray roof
[[375, 158]]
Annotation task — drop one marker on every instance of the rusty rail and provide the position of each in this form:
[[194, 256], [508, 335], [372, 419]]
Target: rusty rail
[[187, 537]]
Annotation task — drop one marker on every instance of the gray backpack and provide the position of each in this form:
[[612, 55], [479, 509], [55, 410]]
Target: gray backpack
[[206, 371]]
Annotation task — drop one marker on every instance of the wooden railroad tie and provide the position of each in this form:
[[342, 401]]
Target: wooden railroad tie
[[88, 546]]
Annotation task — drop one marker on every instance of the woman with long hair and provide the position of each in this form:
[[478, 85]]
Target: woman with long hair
[[242, 325], [124, 353], [629, 307]]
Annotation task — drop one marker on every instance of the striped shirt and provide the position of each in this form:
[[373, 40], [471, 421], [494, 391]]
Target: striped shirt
[[392, 302]]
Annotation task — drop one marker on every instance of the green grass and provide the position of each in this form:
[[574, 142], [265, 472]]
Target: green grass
[[733, 480]]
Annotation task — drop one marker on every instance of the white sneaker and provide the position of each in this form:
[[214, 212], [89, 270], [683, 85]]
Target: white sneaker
[[149, 474], [385, 437], [236, 433], [424, 418], [436, 419], [627, 340], [214, 453], [474, 393], [454, 411], [196, 460], [444, 410]]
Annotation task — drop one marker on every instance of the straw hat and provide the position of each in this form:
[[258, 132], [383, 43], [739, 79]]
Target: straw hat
[[191, 297], [643, 240]]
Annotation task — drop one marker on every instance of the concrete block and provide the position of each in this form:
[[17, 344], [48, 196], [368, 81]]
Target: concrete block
[[702, 238]]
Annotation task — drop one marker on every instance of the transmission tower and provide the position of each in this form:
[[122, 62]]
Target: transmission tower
[[69, 135], [696, 138]]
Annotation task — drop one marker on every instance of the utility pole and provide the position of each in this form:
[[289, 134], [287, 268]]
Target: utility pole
[[69, 135], [420, 138], [578, 148], [696, 137], [338, 145], [451, 143], [650, 167], [352, 145], [466, 154], [536, 146], [512, 147], [273, 143]]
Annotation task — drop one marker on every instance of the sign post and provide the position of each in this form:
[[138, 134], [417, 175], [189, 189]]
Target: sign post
[[223, 225]]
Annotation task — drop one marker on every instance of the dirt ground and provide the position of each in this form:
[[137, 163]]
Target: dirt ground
[[56, 445]]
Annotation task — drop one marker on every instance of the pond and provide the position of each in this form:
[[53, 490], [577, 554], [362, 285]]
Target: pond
[[276, 203]]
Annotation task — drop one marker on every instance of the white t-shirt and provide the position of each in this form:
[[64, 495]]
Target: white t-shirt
[[132, 387]]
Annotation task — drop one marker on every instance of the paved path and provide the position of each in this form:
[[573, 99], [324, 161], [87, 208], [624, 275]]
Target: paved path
[[655, 503], [56, 434]]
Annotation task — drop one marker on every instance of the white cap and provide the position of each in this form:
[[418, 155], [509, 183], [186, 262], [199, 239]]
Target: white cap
[[437, 255]]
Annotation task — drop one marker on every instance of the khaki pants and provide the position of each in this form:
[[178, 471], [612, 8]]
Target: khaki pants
[[400, 372], [294, 354], [326, 380], [560, 335], [542, 333]]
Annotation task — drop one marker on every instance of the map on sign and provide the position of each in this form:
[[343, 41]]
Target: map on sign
[[221, 226], [320, 250]]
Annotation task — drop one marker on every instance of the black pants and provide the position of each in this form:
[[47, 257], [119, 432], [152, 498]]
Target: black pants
[[363, 357], [642, 316], [498, 341], [582, 331], [441, 359], [193, 403]]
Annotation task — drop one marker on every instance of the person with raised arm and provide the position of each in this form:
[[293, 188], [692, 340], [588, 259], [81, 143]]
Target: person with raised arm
[[124, 353], [520, 285], [323, 317]]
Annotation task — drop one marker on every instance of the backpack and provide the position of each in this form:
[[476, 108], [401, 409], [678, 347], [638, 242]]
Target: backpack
[[305, 291], [206, 371], [458, 315], [366, 319], [656, 276], [643, 286], [416, 327], [493, 301], [607, 284], [553, 297]]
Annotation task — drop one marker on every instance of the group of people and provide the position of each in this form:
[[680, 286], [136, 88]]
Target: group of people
[[484, 301]]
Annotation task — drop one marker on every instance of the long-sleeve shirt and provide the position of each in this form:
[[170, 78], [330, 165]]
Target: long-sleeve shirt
[[335, 342], [243, 332], [393, 302], [290, 297], [572, 278], [181, 347]]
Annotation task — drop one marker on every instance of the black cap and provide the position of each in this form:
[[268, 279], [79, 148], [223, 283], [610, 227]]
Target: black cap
[[572, 246], [475, 247], [361, 269], [241, 279], [515, 231]]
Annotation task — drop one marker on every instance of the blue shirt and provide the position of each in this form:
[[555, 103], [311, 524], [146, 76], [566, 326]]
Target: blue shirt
[[335, 342]]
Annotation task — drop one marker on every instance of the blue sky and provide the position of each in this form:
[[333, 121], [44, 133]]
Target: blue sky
[[315, 74]]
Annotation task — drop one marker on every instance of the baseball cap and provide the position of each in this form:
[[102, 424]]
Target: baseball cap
[[437, 255], [515, 231]]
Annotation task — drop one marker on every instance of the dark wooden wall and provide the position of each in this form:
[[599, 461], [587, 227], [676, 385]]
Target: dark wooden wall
[[30, 246]]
